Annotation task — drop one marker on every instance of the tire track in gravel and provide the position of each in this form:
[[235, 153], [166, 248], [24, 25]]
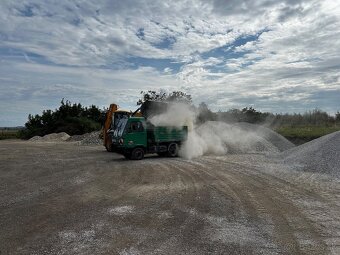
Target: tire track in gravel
[[181, 209], [145, 197], [216, 185], [185, 205], [259, 195], [175, 206], [308, 190], [227, 184], [180, 202], [211, 182], [297, 190]]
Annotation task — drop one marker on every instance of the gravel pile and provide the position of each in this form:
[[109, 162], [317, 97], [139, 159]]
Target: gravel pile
[[36, 138], [281, 143], [321, 155], [53, 137], [218, 138], [77, 138], [87, 139]]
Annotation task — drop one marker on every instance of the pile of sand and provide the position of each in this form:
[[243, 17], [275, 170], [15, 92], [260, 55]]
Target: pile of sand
[[53, 137], [321, 155]]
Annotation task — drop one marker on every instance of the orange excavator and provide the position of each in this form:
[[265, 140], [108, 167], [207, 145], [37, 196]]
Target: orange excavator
[[113, 115]]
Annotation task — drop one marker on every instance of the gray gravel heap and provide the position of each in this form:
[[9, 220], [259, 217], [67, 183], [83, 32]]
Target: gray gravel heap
[[77, 138], [271, 136], [240, 138], [53, 137], [321, 155], [90, 139]]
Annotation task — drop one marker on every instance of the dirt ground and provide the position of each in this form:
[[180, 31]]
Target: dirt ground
[[62, 198]]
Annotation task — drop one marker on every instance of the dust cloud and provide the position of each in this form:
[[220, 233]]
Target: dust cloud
[[177, 115], [212, 137]]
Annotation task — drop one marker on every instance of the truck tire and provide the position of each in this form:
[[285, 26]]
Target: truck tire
[[108, 148], [137, 153], [173, 150], [127, 155]]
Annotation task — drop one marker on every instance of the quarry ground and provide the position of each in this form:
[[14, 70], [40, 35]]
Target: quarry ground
[[62, 198]]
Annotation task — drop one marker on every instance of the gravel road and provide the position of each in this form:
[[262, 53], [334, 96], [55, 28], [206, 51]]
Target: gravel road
[[62, 198]]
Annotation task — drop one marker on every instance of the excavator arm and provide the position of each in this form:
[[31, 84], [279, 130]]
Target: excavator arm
[[107, 125]]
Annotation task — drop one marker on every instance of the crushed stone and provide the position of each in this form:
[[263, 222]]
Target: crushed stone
[[92, 138], [280, 142], [221, 138], [53, 137], [321, 155]]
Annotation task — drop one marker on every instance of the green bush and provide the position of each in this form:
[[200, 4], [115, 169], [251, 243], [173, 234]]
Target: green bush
[[9, 134], [73, 119], [302, 134]]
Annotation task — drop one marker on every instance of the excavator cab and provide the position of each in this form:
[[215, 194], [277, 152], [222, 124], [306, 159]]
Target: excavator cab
[[113, 116]]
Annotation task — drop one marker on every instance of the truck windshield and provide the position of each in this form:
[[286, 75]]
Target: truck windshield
[[120, 127]]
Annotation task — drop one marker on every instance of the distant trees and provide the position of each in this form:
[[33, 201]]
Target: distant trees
[[315, 117], [337, 117], [175, 96], [70, 118], [205, 114], [73, 118], [249, 115]]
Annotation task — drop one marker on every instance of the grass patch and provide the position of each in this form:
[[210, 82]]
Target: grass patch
[[299, 135], [9, 134]]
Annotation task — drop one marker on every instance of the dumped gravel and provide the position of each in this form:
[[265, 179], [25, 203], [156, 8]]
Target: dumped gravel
[[271, 136], [53, 137], [87, 139], [220, 138], [62, 198], [321, 155]]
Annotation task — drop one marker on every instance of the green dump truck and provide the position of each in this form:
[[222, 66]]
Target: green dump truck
[[134, 137]]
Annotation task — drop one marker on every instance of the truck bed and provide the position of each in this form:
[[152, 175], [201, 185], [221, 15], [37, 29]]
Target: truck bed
[[169, 134]]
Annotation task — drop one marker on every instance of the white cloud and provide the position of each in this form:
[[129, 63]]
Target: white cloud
[[83, 50]]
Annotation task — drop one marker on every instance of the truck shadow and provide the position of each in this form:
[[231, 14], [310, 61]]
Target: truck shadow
[[119, 158]]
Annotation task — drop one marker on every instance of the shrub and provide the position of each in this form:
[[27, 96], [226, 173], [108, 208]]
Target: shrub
[[73, 119]]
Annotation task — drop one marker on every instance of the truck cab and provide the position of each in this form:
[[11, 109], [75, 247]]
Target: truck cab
[[130, 134], [134, 137]]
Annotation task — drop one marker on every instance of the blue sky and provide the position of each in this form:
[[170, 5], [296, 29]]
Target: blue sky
[[279, 56]]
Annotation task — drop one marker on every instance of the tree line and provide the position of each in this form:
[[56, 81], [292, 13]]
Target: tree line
[[72, 118], [314, 117], [75, 119]]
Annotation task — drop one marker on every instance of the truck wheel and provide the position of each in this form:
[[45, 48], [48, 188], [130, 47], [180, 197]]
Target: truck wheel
[[127, 155], [108, 146], [137, 154], [173, 150]]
